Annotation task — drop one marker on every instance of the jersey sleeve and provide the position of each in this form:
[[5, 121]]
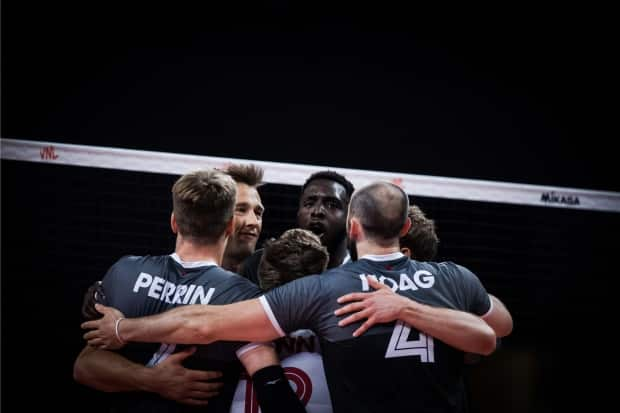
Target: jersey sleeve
[[474, 296], [295, 305]]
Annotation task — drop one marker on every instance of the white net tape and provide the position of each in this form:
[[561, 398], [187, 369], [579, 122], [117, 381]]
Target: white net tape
[[296, 174]]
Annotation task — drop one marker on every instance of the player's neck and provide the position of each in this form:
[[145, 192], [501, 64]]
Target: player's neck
[[189, 251], [367, 247], [336, 257]]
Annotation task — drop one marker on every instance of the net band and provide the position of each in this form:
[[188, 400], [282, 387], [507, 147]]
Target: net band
[[296, 174]]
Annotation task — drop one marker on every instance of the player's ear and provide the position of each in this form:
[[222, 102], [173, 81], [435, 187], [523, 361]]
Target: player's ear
[[355, 229], [173, 224], [406, 251], [405, 228]]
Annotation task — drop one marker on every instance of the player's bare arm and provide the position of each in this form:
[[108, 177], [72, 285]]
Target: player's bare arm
[[498, 318], [190, 324], [460, 329], [110, 372], [273, 392]]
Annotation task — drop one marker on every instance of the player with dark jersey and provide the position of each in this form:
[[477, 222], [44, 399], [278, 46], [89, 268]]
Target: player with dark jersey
[[148, 285], [203, 218], [109, 372], [397, 362]]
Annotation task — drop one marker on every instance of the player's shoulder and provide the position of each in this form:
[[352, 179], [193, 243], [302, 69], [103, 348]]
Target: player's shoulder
[[228, 277], [223, 273], [130, 264], [333, 273], [138, 259], [349, 267], [452, 267], [451, 271], [230, 286], [335, 278]]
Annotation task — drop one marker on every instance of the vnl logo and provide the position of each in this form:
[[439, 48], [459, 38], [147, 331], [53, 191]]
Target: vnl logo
[[48, 152], [556, 198]]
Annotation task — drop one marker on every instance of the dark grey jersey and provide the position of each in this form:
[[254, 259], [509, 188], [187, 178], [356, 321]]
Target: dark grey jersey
[[141, 286], [392, 367]]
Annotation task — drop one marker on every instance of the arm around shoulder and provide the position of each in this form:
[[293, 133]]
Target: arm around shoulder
[[498, 318], [108, 371], [202, 324], [460, 329]]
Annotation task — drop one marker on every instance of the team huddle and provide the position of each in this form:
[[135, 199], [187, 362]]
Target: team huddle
[[347, 312]]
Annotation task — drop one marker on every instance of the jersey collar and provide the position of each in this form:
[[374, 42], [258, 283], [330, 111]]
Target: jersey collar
[[385, 257], [191, 264], [346, 259]]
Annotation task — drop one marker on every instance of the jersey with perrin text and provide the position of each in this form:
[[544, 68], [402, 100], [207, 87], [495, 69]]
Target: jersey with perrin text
[[144, 285]]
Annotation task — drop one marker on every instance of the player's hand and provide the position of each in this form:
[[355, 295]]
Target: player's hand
[[175, 382], [103, 332], [94, 294], [380, 306]]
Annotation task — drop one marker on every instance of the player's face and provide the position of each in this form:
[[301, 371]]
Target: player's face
[[248, 221], [323, 210]]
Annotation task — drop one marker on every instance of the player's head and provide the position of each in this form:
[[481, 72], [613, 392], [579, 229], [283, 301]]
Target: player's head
[[323, 207], [421, 241], [378, 213], [248, 211], [297, 253], [203, 204]]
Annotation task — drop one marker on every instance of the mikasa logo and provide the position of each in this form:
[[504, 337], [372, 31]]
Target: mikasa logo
[[163, 290], [421, 279], [556, 198]]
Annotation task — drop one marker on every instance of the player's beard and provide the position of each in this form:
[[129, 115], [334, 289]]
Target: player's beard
[[239, 250], [352, 247]]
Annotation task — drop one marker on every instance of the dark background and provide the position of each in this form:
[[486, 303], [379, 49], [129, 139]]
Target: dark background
[[512, 92], [516, 93]]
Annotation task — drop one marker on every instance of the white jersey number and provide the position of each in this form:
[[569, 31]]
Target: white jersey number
[[401, 346]]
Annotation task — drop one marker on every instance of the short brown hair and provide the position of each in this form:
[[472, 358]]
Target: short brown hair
[[249, 174], [421, 239], [297, 253], [203, 204]]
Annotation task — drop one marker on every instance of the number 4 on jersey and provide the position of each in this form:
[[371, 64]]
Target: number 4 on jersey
[[401, 346]]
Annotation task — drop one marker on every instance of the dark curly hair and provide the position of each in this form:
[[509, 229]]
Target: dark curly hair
[[421, 239]]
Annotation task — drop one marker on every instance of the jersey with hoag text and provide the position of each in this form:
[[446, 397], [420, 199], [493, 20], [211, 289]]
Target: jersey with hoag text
[[392, 367], [144, 285]]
